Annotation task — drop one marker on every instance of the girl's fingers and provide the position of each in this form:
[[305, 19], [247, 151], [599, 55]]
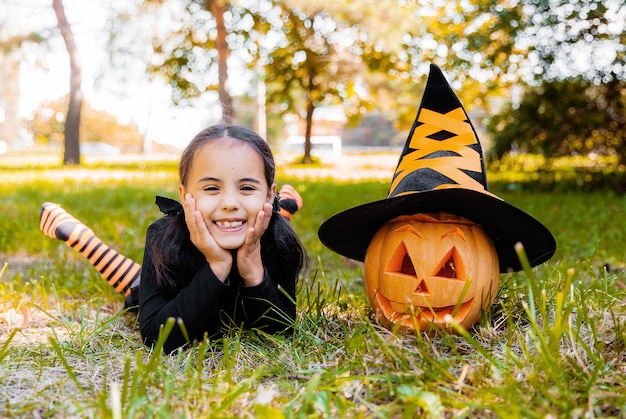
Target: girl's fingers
[[262, 221], [198, 230], [253, 236], [255, 233], [267, 216], [249, 260], [191, 217], [189, 207], [200, 225]]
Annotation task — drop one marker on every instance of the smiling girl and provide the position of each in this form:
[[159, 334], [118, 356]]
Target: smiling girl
[[225, 257]]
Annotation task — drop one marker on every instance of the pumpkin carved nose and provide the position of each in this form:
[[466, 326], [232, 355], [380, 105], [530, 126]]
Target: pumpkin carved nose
[[422, 288]]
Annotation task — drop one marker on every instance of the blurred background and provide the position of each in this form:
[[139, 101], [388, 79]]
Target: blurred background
[[315, 78]]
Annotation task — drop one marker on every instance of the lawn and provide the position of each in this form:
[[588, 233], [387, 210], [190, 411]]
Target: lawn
[[552, 345]]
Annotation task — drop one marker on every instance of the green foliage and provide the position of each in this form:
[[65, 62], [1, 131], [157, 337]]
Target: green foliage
[[505, 42], [552, 345], [568, 118], [564, 118], [183, 56], [309, 66], [374, 54], [532, 172]]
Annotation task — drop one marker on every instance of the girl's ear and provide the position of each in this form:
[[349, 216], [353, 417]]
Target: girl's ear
[[271, 193], [181, 193]]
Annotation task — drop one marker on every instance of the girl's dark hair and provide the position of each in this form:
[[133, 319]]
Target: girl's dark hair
[[175, 256]]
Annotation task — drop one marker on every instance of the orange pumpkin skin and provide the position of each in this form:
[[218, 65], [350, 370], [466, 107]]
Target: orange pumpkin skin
[[417, 270]]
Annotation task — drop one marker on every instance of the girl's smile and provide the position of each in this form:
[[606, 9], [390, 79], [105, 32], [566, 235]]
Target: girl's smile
[[230, 225]]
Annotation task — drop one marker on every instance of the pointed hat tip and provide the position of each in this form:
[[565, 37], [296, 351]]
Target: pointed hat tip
[[434, 68], [438, 95]]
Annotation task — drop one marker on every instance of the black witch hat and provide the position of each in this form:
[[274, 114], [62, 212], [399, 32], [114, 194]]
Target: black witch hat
[[441, 169]]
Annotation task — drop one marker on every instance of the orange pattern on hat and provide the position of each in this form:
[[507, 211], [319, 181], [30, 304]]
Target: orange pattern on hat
[[454, 122]]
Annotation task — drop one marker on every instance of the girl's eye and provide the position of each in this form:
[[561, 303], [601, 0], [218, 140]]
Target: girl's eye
[[210, 188], [248, 188]]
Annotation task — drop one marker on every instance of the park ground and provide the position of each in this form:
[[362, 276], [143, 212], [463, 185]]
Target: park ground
[[552, 345]]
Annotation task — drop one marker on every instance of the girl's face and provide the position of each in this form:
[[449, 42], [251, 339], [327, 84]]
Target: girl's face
[[227, 181]]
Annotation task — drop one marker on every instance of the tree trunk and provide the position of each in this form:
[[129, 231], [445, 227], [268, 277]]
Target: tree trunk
[[217, 9], [310, 108], [72, 119]]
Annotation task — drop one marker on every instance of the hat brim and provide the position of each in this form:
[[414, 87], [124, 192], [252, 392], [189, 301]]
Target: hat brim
[[349, 232]]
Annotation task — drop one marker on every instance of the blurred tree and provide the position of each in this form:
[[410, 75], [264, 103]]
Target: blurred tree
[[488, 46], [567, 117], [376, 53], [71, 155], [47, 127], [570, 72], [247, 112], [592, 119], [46, 124], [309, 58], [309, 65], [194, 42], [389, 80], [218, 9]]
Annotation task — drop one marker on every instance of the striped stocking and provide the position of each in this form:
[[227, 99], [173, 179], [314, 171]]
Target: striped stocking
[[117, 269]]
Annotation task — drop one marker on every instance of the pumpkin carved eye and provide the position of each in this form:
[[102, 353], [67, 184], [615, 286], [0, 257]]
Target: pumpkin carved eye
[[420, 269], [401, 262], [407, 266], [451, 266], [448, 270]]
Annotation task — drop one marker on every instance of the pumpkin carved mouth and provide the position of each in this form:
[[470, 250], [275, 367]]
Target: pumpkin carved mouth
[[436, 315]]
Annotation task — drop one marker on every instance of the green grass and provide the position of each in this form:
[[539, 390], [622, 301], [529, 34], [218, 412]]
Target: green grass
[[552, 345]]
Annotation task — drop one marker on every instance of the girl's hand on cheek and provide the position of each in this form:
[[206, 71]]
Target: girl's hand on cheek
[[220, 259], [249, 260]]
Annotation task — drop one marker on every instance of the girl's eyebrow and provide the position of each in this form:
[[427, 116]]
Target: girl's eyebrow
[[214, 179], [208, 179], [250, 179]]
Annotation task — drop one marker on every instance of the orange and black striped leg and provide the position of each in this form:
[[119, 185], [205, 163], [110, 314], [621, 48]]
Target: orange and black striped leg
[[290, 201], [122, 273]]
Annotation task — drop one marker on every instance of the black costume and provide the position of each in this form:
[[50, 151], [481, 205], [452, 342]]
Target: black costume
[[205, 304]]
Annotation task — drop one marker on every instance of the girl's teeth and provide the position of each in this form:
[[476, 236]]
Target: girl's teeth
[[229, 224]]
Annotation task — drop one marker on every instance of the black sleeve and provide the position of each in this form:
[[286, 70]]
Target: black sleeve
[[205, 305], [197, 306], [267, 307]]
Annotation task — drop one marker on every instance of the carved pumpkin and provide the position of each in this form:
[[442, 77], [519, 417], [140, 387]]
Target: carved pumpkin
[[421, 268]]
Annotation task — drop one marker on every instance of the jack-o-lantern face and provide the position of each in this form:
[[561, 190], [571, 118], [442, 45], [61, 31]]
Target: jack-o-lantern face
[[422, 268]]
